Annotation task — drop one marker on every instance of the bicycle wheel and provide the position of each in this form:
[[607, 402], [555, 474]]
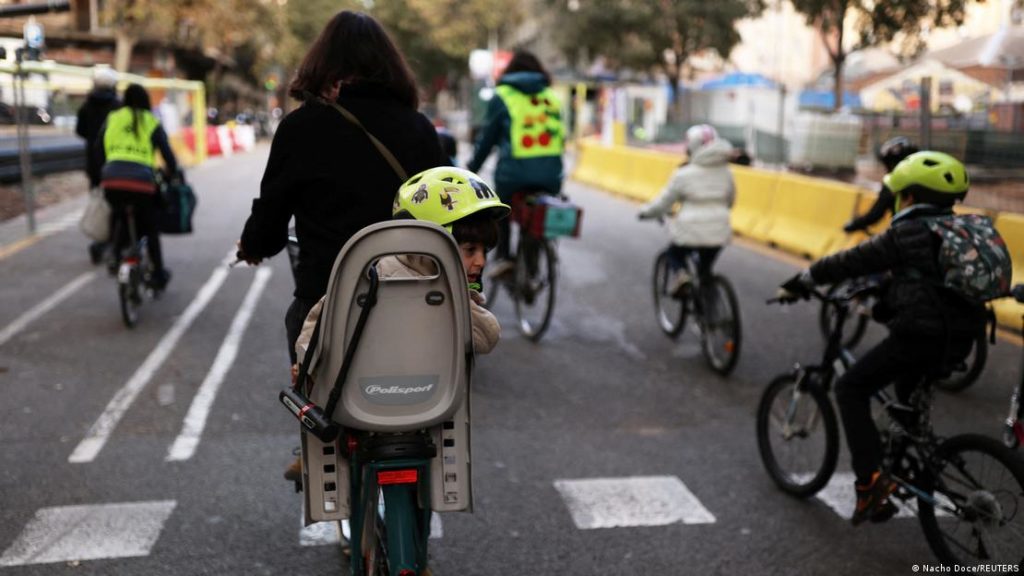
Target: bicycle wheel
[[856, 325], [535, 283], [797, 435], [375, 554], [129, 295], [720, 325], [978, 488], [670, 311], [970, 369]]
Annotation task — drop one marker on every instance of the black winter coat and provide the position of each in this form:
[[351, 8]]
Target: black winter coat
[[91, 116], [324, 171], [914, 301]]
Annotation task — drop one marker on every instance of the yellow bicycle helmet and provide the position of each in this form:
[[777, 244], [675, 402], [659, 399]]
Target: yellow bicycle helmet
[[446, 194], [932, 177]]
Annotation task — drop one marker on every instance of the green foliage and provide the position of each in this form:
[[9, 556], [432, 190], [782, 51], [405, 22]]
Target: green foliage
[[646, 34], [877, 22], [881, 22]]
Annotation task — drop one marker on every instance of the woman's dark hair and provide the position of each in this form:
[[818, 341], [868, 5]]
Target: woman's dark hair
[[480, 227], [136, 98], [523, 61], [354, 47]]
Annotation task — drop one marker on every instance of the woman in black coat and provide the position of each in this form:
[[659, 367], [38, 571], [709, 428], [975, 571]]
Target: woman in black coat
[[323, 169]]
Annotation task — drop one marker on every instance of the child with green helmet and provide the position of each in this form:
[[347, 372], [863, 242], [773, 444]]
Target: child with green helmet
[[466, 206], [932, 322], [462, 203]]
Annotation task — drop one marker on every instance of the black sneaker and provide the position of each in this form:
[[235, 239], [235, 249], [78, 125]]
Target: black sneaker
[[160, 279], [96, 250]]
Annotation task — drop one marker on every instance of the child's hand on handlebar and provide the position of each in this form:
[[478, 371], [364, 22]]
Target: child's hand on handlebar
[[796, 288]]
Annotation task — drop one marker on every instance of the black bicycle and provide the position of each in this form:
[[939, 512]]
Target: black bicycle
[[710, 301], [533, 282], [969, 489], [961, 377], [135, 280]]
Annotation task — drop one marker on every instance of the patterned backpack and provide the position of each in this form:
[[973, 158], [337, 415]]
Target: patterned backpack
[[973, 256]]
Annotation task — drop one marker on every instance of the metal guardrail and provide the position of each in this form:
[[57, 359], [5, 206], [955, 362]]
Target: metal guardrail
[[46, 159]]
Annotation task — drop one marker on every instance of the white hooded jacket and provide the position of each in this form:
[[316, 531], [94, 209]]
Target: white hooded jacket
[[705, 189]]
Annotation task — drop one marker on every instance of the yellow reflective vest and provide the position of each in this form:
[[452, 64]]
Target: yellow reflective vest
[[536, 128], [122, 142]]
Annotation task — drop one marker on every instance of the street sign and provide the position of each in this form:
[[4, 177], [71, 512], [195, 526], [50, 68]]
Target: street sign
[[34, 37]]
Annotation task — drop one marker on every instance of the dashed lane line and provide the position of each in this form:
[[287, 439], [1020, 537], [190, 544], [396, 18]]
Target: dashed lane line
[[45, 306], [195, 421], [100, 431]]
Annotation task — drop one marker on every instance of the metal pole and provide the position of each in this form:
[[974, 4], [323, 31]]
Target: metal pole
[[926, 113], [21, 114]]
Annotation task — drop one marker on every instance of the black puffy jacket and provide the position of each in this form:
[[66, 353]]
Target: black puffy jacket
[[914, 301], [324, 171]]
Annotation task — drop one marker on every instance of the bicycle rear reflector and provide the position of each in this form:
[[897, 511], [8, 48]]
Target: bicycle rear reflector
[[385, 477]]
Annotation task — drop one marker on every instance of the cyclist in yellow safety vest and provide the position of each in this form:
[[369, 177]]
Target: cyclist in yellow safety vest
[[126, 148], [525, 121]]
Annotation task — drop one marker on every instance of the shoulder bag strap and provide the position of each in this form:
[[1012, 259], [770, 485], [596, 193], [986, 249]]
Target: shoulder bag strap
[[391, 160]]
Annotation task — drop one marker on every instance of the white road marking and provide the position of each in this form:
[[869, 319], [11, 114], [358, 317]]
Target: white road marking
[[100, 431], [319, 534], [61, 224], [45, 306], [631, 501], [839, 495], [324, 533], [195, 421], [92, 532]]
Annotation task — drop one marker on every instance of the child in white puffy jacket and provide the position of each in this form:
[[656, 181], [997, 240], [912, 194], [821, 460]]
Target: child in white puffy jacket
[[705, 190]]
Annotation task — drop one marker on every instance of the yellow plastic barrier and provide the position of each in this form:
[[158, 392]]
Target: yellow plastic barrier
[[592, 163], [1011, 227], [648, 174], [809, 215], [755, 190]]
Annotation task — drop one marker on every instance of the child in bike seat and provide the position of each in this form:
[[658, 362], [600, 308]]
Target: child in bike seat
[[462, 203], [931, 326], [705, 190]]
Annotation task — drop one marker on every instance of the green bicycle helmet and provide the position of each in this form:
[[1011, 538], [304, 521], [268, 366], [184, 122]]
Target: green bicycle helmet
[[932, 178], [445, 195]]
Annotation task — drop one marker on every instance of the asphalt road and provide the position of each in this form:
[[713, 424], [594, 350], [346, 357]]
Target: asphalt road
[[604, 449]]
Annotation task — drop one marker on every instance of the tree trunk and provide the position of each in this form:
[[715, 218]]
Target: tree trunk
[[125, 44], [675, 111], [837, 87]]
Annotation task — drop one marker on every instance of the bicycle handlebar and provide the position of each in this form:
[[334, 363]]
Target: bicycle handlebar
[[1018, 293]]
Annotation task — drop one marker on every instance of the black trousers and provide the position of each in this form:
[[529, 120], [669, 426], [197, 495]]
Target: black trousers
[[293, 320], [146, 210], [706, 256], [904, 361]]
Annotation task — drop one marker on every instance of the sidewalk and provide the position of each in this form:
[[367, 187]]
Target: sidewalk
[[63, 212]]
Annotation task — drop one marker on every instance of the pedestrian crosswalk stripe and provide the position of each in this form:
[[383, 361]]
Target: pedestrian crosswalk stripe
[[89, 532], [631, 501]]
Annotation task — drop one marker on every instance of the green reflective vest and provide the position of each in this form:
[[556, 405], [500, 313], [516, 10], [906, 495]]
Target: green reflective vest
[[121, 142], [536, 122]]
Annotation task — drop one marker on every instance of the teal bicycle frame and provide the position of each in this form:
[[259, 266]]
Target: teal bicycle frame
[[393, 532]]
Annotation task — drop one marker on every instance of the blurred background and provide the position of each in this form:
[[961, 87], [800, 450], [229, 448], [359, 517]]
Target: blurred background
[[798, 84]]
